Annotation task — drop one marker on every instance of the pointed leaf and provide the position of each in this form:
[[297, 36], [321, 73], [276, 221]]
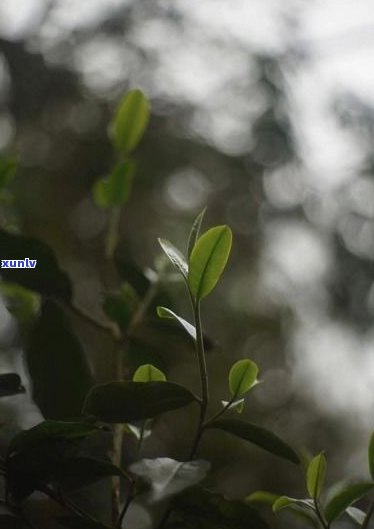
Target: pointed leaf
[[175, 256], [315, 475], [195, 232], [169, 477], [148, 373], [45, 278], [242, 377], [115, 189], [121, 402], [131, 121], [57, 364], [262, 496], [345, 497], [163, 312], [10, 384], [258, 436], [208, 260], [284, 502]]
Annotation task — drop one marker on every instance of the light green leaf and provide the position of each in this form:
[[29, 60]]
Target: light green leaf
[[284, 502], [148, 373], [243, 377], [195, 232], [131, 121], [258, 436], [175, 256], [208, 260], [356, 515], [345, 497], [262, 496], [115, 189], [163, 312], [315, 475]]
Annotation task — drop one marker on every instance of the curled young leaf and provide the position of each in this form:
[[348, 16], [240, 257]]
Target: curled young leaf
[[195, 232], [208, 260], [163, 312]]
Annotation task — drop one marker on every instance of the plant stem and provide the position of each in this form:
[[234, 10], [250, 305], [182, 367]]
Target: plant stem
[[130, 497], [203, 377], [320, 516], [368, 516]]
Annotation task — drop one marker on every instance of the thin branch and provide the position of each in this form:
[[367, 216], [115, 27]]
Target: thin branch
[[368, 516]]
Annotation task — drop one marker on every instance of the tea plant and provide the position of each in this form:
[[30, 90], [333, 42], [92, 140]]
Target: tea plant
[[54, 458]]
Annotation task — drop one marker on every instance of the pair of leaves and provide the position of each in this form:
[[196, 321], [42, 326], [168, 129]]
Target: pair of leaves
[[258, 436], [114, 190], [46, 278], [168, 477], [122, 402], [10, 384], [57, 365], [211, 510], [208, 256]]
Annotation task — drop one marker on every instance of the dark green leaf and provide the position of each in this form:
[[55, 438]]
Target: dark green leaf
[[169, 477], [76, 522], [131, 121], [163, 312], [345, 497], [175, 256], [76, 472], [121, 306], [208, 260], [195, 232], [115, 189], [242, 377], [284, 502], [214, 511], [258, 436], [10, 384], [315, 476], [371, 455], [356, 515], [57, 365], [148, 373], [8, 168], [7, 521], [46, 278], [121, 402]]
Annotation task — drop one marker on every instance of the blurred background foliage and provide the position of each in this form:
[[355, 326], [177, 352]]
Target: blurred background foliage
[[263, 111]]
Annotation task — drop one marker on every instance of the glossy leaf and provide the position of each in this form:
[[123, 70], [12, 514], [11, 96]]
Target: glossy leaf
[[131, 121], [46, 278], [242, 377], [175, 256], [315, 475], [195, 232], [148, 373], [163, 312], [57, 365], [203, 508], [345, 497], [115, 189], [284, 502], [258, 436], [121, 402], [356, 515], [10, 384], [208, 260], [169, 477], [122, 305]]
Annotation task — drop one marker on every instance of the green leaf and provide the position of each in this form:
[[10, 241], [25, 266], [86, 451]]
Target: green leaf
[[169, 477], [21, 302], [10, 384], [57, 365], [121, 402], [262, 496], [115, 189], [371, 455], [76, 472], [284, 502], [258, 436], [122, 305], [148, 373], [208, 260], [175, 256], [315, 475], [243, 377], [131, 121], [163, 312], [237, 405], [203, 508], [356, 515], [195, 232], [46, 278], [345, 497], [8, 168]]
